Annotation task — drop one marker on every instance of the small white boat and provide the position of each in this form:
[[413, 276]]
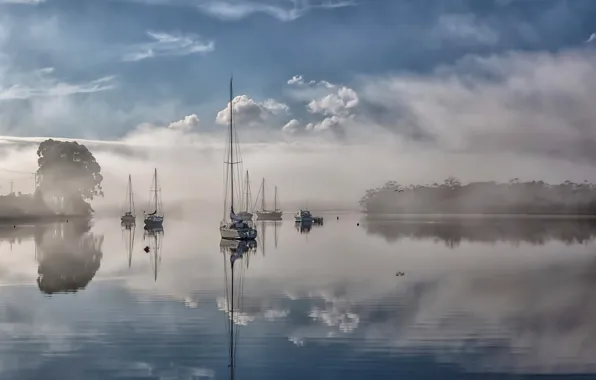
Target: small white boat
[[303, 216], [233, 227], [155, 219], [129, 213]]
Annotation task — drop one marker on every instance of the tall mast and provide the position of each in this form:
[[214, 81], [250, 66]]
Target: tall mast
[[129, 195], [263, 199], [275, 200], [155, 179], [247, 192], [231, 148]]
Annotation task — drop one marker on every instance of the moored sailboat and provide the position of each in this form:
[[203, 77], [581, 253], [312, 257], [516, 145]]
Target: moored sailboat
[[264, 213], [245, 213], [129, 205], [155, 219], [232, 226]]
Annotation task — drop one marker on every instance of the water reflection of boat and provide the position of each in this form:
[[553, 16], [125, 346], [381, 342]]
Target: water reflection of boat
[[263, 226], [128, 238], [232, 251], [68, 257], [154, 236]]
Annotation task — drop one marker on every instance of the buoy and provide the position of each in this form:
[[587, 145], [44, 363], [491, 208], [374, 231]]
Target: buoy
[[338, 218], [146, 249], [358, 224]]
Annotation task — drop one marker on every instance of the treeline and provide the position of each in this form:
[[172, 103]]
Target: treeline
[[452, 197]]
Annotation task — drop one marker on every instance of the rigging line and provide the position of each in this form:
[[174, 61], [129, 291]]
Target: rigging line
[[17, 171]]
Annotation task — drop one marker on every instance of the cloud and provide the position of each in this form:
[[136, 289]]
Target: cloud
[[250, 112], [165, 44], [189, 123], [299, 81], [42, 85], [340, 103], [465, 29], [28, 2], [591, 39]]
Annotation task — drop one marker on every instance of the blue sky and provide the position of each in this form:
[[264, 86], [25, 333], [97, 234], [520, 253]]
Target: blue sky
[[98, 69]]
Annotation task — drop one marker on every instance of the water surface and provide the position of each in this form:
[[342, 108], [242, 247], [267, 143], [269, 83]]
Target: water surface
[[478, 298]]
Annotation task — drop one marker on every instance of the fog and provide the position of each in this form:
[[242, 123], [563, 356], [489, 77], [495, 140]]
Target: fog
[[524, 115]]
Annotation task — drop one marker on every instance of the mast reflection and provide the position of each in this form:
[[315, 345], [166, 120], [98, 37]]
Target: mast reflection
[[232, 251], [262, 227], [128, 238], [154, 237]]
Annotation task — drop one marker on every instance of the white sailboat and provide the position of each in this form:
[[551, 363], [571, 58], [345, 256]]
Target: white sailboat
[[155, 219], [232, 226], [263, 213], [245, 213], [129, 205]]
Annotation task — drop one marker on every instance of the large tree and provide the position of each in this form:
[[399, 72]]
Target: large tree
[[68, 175]]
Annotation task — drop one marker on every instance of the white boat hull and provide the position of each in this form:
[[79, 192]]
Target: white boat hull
[[269, 215], [245, 215], [232, 233]]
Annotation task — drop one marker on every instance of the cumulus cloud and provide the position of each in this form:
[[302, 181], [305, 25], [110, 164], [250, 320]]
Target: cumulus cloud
[[339, 103], [165, 44], [189, 123], [592, 38], [250, 112]]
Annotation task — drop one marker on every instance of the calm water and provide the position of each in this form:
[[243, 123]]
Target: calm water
[[477, 299]]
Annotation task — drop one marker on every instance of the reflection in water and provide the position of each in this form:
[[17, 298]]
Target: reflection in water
[[154, 236], [262, 227], [232, 251], [128, 238], [306, 227], [68, 256], [454, 230]]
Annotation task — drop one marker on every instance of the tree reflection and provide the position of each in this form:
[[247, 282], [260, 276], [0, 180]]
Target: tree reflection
[[68, 256], [454, 230]]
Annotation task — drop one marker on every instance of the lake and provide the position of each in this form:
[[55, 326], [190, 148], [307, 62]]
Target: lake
[[409, 298]]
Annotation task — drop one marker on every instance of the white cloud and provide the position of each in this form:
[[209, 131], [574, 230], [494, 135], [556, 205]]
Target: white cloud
[[250, 112], [281, 10], [592, 38], [189, 123], [165, 44], [28, 2], [44, 86], [464, 28], [298, 80], [291, 126], [340, 103]]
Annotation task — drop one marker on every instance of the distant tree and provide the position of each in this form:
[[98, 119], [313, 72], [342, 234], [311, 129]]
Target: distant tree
[[68, 175]]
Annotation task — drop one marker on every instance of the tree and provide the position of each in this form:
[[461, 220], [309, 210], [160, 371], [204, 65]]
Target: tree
[[68, 175]]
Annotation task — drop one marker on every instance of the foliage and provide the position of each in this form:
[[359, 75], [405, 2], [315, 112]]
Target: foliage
[[68, 175], [451, 197]]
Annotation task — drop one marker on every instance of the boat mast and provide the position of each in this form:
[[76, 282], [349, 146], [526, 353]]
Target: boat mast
[[275, 200], [247, 192], [231, 148], [263, 194], [155, 190], [129, 195]]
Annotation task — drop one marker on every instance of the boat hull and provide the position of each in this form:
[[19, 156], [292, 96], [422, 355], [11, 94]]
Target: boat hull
[[154, 221], [302, 219], [128, 219], [231, 233], [269, 215], [245, 215]]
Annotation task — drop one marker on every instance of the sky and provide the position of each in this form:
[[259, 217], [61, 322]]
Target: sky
[[334, 96]]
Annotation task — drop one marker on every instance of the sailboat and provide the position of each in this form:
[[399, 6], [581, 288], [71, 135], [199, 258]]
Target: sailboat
[[263, 213], [155, 219], [233, 227], [129, 207], [245, 214]]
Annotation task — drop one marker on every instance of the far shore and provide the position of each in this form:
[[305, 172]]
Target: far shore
[[26, 219]]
